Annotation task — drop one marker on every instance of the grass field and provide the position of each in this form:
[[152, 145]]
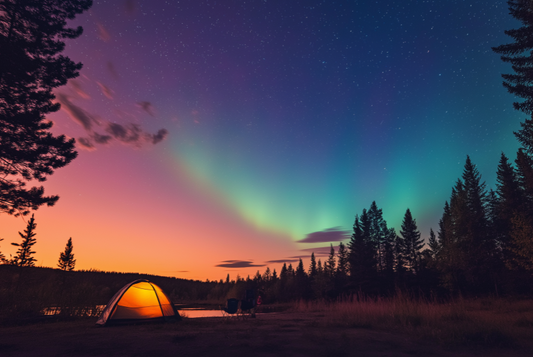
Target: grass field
[[489, 322], [352, 327]]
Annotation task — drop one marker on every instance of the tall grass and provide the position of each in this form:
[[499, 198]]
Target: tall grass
[[490, 322]]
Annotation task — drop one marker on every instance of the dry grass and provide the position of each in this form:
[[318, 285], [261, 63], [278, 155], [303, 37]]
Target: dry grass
[[488, 322]]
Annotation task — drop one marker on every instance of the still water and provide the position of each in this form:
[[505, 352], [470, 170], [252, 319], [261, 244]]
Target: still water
[[194, 313]]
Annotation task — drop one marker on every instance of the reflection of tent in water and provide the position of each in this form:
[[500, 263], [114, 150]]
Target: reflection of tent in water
[[138, 301]]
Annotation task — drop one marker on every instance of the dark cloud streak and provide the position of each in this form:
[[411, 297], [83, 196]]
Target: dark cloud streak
[[238, 264], [334, 234]]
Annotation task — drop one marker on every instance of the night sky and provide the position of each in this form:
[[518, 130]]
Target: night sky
[[213, 136]]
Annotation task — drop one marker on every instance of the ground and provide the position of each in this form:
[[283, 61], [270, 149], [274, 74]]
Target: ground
[[273, 334]]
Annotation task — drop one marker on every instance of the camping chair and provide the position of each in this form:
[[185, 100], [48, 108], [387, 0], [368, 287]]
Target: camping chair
[[248, 303], [247, 308], [232, 307]]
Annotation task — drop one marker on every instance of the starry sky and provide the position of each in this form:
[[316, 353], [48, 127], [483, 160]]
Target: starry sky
[[225, 136]]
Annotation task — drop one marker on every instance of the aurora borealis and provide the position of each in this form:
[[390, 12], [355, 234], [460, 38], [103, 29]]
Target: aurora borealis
[[215, 135]]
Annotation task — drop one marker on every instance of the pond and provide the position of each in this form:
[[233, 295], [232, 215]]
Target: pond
[[194, 313]]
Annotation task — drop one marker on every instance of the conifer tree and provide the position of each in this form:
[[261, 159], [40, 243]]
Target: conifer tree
[[378, 233], [330, 264], [66, 259], [343, 263], [24, 256], [312, 267], [275, 277], [31, 40], [520, 55], [524, 166], [301, 281], [283, 272], [267, 275], [433, 244], [290, 271], [2, 256], [362, 257], [412, 242], [509, 201]]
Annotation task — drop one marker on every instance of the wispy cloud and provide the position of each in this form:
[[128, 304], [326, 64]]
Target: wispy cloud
[[105, 90], [279, 261], [335, 234], [76, 113], [129, 133], [86, 143], [147, 107], [238, 264], [76, 87], [319, 251]]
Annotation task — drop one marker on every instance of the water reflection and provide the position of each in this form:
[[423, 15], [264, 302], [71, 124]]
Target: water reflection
[[194, 313]]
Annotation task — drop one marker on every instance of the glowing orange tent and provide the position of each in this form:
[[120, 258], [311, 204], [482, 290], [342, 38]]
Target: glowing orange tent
[[138, 301]]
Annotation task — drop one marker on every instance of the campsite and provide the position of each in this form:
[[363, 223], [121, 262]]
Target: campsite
[[397, 327]]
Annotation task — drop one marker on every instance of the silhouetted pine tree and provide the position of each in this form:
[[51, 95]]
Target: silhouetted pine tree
[[267, 275], [31, 67], [412, 242], [330, 264], [378, 234], [312, 267], [433, 244], [343, 267], [520, 55], [524, 173], [301, 281], [468, 256], [66, 258], [509, 201], [362, 256], [399, 261], [2, 256], [275, 277], [24, 256]]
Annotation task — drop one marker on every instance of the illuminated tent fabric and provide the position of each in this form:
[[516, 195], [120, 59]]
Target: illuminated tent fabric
[[138, 301]]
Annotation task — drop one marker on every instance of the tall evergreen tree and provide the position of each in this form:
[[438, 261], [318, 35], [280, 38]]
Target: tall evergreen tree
[[520, 55], [24, 256], [312, 267], [433, 244], [301, 281], [31, 34], [343, 261], [329, 265], [509, 201], [362, 257], [67, 261], [524, 175], [283, 272], [413, 243], [378, 234]]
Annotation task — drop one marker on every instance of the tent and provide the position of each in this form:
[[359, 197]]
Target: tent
[[138, 301]]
